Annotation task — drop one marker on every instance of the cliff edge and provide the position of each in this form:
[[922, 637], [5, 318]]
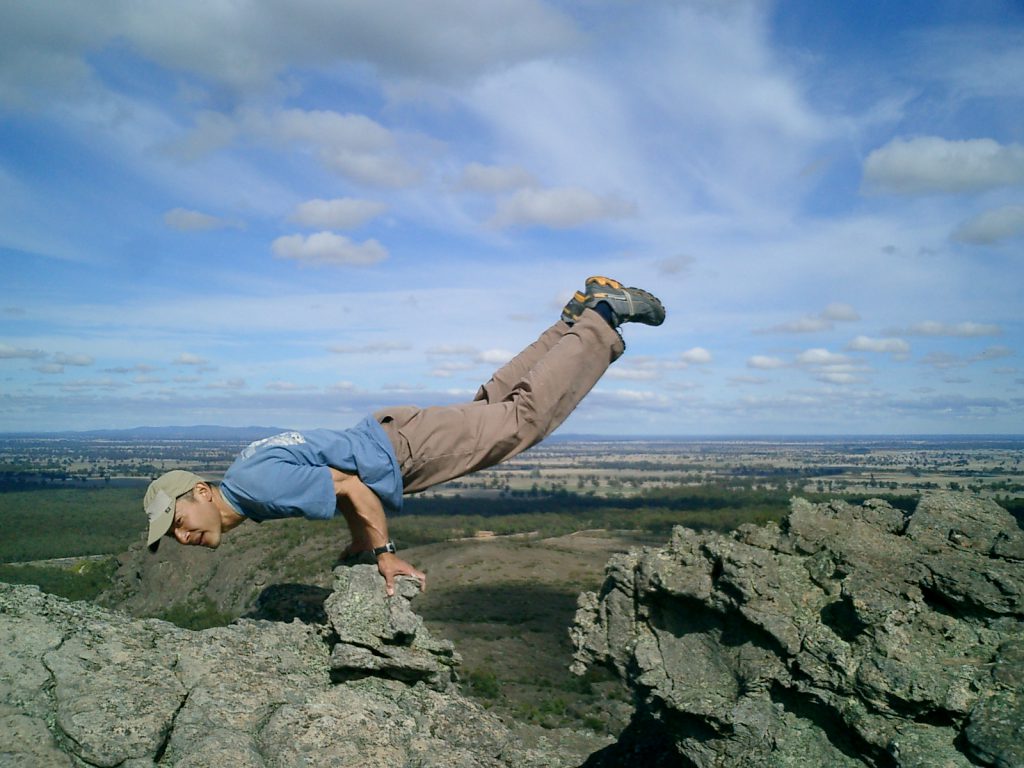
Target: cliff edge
[[848, 636], [84, 686]]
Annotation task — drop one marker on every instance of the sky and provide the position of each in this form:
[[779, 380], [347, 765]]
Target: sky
[[293, 213]]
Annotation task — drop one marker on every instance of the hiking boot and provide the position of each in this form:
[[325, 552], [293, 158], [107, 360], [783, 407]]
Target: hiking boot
[[628, 305], [574, 308]]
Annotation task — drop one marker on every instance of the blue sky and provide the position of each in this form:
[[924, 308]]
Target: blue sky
[[291, 214]]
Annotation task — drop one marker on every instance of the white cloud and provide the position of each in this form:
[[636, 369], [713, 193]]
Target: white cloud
[[212, 131], [992, 353], [187, 358], [352, 145], [325, 128], [992, 226], [63, 359], [765, 362], [373, 169], [230, 384], [696, 356], [329, 248], [369, 349], [840, 313], [185, 220], [965, 329], [892, 346], [340, 213], [930, 164], [558, 208], [7, 352], [836, 377], [822, 321], [494, 178], [819, 356]]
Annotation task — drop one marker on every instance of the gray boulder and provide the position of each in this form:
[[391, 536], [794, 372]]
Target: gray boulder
[[81, 685], [849, 636]]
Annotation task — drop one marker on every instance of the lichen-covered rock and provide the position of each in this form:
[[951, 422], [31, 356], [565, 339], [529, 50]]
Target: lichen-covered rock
[[80, 685], [849, 636], [381, 636]]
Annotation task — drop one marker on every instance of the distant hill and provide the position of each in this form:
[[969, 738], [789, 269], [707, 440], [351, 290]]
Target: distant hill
[[197, 432]]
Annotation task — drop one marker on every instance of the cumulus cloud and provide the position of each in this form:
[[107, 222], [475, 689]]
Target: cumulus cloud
[[376, 170], [230, 384], [369, 349], [329, 248], [821, 321], [765, 362], [187, 358], [340, 213], [965, 329], [696, 356], [930, 164], [63, 359], [7, 352], [494, 178], [558, 208], [829, 367], [245, 46], [991, 353], [992, 226], [185, 220], [352, 145], [820, 356], [895, 347]]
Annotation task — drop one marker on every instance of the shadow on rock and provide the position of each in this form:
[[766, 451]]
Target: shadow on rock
[[287, 602]]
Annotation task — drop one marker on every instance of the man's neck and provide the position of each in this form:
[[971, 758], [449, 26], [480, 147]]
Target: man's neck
[[229, 517]]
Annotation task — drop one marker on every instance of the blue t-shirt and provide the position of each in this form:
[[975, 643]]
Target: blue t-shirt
[[288, 475]]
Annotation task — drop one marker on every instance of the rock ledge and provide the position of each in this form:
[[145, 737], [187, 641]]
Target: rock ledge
[[849, 636], [84, 686]]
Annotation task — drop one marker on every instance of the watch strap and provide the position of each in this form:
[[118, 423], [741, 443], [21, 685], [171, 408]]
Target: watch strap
[[389, 547]]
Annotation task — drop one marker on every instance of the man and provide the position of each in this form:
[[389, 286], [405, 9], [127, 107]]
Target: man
[[363, 471]]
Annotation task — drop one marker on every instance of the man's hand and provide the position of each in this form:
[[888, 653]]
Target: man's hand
[[391, 565]]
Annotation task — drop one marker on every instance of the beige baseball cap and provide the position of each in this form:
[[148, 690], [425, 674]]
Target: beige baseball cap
[[160, 498]]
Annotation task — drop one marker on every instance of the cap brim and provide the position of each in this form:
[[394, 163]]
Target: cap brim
[[161, 516]]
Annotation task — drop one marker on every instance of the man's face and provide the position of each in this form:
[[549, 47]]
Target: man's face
[[197, 522]]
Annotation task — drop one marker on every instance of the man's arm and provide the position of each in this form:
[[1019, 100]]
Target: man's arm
[[369, 526]]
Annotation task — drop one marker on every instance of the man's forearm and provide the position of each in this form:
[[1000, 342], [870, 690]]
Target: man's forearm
[[365, 516]]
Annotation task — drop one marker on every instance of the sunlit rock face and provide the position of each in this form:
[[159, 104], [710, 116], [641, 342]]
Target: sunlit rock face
[[847, 636], [80, 685]]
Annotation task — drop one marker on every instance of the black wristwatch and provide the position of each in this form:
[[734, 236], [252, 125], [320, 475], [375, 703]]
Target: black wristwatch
[[389, 547]]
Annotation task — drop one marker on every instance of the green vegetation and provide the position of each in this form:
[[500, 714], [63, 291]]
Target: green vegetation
[[197, 613], [68, 522], [710, 507], [84, 581]]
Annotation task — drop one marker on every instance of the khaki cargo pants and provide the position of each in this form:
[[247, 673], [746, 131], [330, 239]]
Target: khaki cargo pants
[[521, 405]]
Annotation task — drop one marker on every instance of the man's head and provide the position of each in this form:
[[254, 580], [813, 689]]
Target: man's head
[[161, 501]]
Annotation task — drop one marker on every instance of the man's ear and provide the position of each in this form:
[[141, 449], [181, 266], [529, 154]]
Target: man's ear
[[204, 491]]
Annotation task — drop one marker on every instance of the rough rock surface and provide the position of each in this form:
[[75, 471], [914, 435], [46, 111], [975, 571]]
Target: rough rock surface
[[847, 636], [81, 685]]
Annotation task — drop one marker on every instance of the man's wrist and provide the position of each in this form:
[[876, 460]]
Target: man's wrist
[[388, 548]]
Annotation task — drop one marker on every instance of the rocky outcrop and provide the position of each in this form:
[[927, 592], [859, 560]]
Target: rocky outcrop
[[847, 636], [80, 685]]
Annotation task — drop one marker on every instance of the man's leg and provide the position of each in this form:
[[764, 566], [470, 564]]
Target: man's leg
[[444, 442], [509, 375]]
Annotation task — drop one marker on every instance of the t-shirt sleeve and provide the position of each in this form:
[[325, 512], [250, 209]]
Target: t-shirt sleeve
[[271, 484]]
